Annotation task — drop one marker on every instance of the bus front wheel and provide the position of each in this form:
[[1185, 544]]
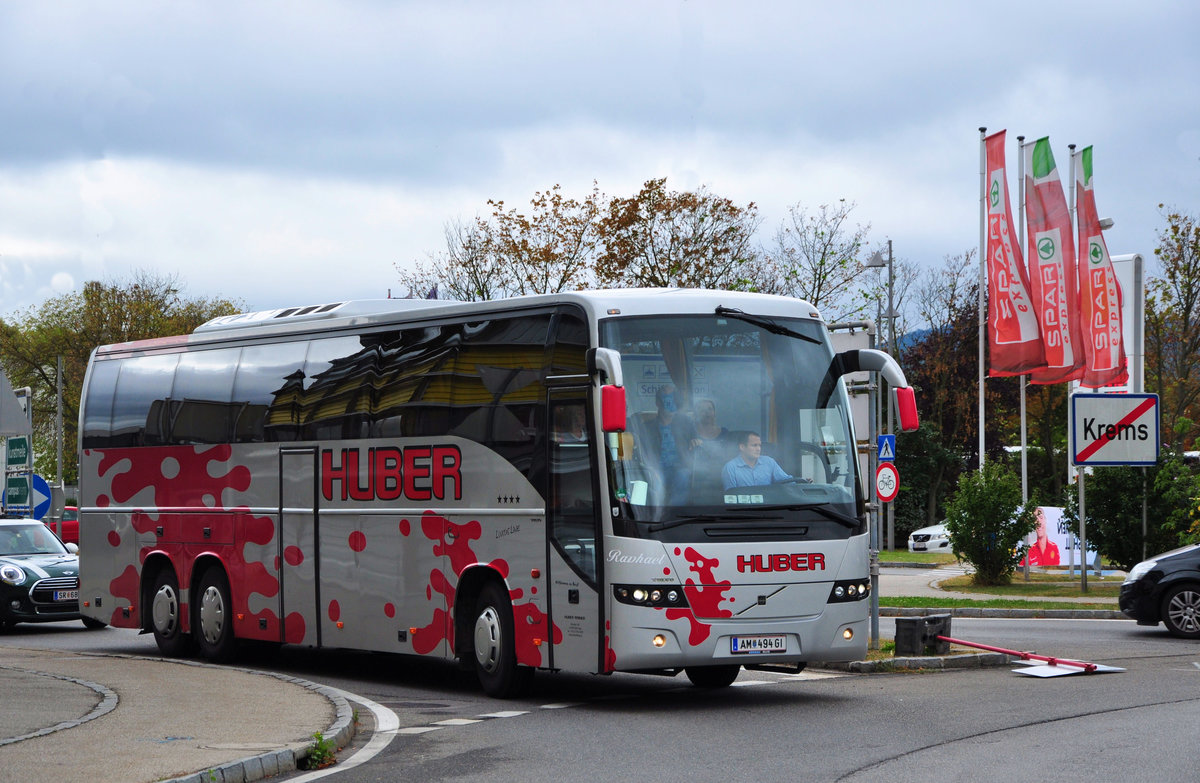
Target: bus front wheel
[[165, 617], [214, 616], [712, 676], [495, 653]]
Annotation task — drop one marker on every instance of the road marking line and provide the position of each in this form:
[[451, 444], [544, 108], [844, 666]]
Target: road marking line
[[418, 729], [505, 714], [387, 726], [457, 722]]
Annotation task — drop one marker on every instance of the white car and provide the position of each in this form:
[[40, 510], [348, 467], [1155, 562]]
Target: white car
[[934, 538]]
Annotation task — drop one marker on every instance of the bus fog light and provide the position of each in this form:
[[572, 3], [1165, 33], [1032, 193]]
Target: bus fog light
[[656, 595], [848, 634], [659, 640], [839, 591], [639, 595]]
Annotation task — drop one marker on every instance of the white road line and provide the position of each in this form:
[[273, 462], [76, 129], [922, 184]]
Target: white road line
[[387, 724], [505, 714]]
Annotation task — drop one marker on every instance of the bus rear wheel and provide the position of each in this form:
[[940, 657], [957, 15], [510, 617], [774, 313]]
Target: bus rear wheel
[[495, 653], [712, 676], [165, 617], [214, 616]]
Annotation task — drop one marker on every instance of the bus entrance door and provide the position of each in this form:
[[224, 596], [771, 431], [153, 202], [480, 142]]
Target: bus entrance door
[[575, 607], [298, 593]]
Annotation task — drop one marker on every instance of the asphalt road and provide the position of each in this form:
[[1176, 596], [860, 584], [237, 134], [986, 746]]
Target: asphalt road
[[969, 725]]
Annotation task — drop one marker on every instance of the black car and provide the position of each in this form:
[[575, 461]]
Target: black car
[[1166, 589], [39, 576]]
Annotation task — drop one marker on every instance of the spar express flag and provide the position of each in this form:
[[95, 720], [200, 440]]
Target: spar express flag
[[1050, 248], [1014, 341], [1099, 291]]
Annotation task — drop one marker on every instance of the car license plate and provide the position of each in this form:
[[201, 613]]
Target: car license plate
[[758, 644], [917, 547], [66, 595]]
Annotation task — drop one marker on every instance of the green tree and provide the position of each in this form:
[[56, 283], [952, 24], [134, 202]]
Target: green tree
[[70, 326], [1173, 329], [693, 239], [1113, 502], [988, 522]]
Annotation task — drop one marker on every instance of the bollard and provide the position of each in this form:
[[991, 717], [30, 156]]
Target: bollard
[[917, 636]]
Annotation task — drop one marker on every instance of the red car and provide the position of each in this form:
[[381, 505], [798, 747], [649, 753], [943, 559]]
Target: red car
[[69, 531]]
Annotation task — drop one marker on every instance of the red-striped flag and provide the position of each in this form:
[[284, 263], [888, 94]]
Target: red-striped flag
[[1051, 252], [1099, 291], [1014, 342]]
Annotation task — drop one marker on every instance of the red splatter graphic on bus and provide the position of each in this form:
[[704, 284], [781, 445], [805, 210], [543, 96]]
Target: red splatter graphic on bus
[[704, 597], [425, 640], [114, 538], [293, 628], [335, 610], [405, 527], [358, 541], [454, 542], [610, 656], [389, 609], [529, 626], [293, 555], [124, 586], [193, 477]]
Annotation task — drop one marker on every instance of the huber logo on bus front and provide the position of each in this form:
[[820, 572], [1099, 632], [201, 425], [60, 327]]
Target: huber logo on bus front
[[1114, 429]]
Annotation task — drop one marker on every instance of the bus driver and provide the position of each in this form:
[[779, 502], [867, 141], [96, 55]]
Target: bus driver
[[750, 468]]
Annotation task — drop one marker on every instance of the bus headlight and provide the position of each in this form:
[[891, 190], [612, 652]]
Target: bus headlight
[[847, 590], [649, 595]]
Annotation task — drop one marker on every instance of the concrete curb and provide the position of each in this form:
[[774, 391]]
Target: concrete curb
[[108, 703], [245, 770], [1036, 614], [965, 661], [264, 765]]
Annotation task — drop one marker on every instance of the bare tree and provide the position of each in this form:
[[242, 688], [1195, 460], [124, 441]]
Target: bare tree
[[818, 257]]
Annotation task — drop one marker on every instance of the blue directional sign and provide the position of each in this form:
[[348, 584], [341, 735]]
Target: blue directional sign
[[40, 497], [887, 448]]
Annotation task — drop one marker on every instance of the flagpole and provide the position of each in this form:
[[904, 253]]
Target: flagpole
[[982, 277], [1021, 243], [1079, 474]]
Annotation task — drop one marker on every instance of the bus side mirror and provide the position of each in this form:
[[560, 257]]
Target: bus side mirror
[[612, 408], [906, 408]]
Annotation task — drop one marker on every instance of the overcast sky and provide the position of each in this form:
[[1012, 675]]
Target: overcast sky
[[283, 153]]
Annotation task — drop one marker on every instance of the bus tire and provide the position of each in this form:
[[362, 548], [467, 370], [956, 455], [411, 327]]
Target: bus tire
[[495, 654], [213, 626], [92, 624], [712, 676], [166, 619]]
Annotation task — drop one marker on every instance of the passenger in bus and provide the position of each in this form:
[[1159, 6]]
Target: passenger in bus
[[750, 468], [670, 444], [570, 424]]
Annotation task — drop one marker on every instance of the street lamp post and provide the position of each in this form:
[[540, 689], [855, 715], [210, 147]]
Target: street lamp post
[[877, 262]]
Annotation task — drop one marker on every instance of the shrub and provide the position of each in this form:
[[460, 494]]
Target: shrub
[[988, 522]]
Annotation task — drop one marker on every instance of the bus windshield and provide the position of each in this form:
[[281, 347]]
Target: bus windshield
[[735, 430]]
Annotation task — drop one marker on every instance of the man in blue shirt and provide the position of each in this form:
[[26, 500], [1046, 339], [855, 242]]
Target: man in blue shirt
[[750, 468]]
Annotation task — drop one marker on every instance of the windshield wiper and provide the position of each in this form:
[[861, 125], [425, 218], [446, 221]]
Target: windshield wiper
[[823, 509], [729, 517], [763, 322]]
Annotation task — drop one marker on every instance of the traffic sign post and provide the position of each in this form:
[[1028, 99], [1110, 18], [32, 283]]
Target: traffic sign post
[[1114, 429], [886, 448], [887, 481]]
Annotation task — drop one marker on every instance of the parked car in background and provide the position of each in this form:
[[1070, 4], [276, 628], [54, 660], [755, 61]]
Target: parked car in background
[[39, 576], [68, 528], [934, 538], [1166, 589]]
